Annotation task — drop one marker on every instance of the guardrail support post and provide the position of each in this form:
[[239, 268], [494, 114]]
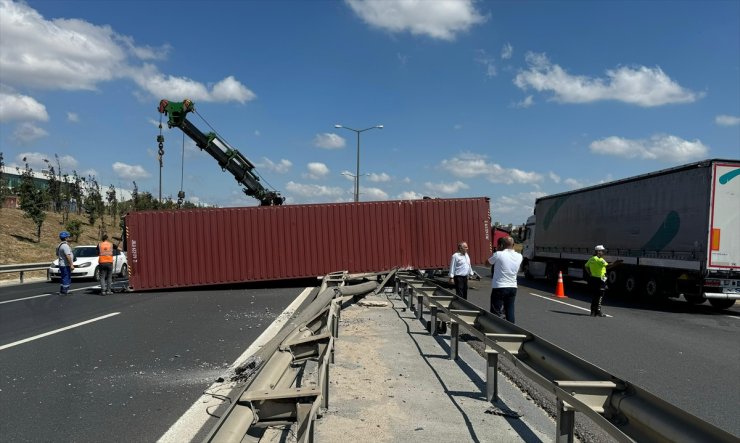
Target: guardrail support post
[[410, 298], [492, 375], [565, 423], [433, 324], [21, 276], [454, 339], [325, 380], [419, 306]]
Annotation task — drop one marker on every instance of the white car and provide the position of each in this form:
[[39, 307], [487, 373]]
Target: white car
[[86, 263]]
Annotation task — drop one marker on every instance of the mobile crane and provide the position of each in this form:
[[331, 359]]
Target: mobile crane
[[230, 159]]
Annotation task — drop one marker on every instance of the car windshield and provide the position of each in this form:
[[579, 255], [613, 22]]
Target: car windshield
[[85, 252]]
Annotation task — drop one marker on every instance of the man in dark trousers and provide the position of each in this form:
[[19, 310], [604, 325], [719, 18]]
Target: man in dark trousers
[[596, 268], [66, 263], [460, 270], [105, 265]]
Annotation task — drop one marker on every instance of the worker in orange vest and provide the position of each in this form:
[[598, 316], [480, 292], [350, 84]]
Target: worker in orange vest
[[105, 265]]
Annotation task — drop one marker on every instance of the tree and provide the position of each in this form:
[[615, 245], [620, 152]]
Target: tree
[[76, 190], [33, 199], [4, 190], [110, 195], [54, 186], [94, 206]]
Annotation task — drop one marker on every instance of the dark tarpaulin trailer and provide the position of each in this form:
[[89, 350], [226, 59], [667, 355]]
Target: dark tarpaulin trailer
[[171, 249]]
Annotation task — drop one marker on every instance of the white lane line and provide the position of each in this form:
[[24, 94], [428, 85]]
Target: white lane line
[[43, 295], [194, 418], [56, 331], [562, 303]]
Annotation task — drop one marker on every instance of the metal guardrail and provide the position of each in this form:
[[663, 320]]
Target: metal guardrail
[[22, 268], [625, 411], [288, 378]]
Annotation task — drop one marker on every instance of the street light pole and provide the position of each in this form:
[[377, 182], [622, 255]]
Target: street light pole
[[357, 174]]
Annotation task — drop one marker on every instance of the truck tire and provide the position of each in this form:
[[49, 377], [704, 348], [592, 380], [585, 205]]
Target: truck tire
[[652, 287], [631, 283], [527, 274], [612, 277], [721, 303], [96, 274]]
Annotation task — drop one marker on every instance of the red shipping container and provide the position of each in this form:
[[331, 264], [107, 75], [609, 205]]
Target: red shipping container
[[171, 249]]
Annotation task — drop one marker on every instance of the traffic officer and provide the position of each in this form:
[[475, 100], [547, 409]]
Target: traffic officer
[[596, 268]]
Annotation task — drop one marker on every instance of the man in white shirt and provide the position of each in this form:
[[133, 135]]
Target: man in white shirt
[[460, 270], [506, 262]]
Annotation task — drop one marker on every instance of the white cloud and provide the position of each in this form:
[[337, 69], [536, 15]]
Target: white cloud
[[487, 61], [73, 117], [348, 175], [36, 161], [446, 188], [315, 192], [524, 104], [160, 85], [640, 85], [554, 177], [379, 178], [406, 180], [439, 19], [15, 106], [409, 195], [26, 133], [281, 167], [329, 140], [469, 165], [667, 148], [574, 184], [507, 51], [403, 59], [72, 54], [373, 193], [727, 120], [316, 171], [129, 172], [91, 173]]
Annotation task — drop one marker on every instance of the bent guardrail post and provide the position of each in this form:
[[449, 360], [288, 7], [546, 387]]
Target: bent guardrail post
[[491, 375]]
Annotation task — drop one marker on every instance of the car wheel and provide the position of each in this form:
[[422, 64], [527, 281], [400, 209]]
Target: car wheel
[[96, 274], [652, 287], [124, 271], [630, 285]]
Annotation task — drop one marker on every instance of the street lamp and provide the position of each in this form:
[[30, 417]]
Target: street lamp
[[357, 175]]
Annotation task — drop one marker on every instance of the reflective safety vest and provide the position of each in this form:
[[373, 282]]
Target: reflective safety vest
[[106, 252]]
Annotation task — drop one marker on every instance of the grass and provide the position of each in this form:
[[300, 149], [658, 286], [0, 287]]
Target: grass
[[18, 239]]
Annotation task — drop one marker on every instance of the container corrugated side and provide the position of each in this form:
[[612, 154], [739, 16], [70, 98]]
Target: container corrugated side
[[170, 249]]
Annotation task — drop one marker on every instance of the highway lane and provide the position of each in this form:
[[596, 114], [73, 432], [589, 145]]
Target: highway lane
[[687, 355], [125, 377]]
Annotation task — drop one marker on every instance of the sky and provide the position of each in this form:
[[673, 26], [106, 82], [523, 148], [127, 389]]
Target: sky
[[511, 100]]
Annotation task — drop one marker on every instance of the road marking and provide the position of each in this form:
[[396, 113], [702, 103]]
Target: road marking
[[42, 295], [562, 303], [56, 331], [194, 418]]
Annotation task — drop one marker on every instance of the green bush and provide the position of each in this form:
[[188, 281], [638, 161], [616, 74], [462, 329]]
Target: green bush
[[74, 227]]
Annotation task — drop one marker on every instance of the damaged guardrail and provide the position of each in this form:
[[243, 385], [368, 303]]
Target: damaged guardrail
[[288, 378], [623, 410]]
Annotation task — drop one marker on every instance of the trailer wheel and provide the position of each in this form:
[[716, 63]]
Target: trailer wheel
[[527, 274], [721, 303], [630, 285], [652, 287], [612, 277]]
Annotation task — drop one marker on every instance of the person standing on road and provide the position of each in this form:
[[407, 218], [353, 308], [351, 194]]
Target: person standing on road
[[66, 263], [506, 262], [596, 268], [105, 264], [460, 270]]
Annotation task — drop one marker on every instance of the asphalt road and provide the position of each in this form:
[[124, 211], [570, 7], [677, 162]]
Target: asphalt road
[[129, 374], [687, 355]]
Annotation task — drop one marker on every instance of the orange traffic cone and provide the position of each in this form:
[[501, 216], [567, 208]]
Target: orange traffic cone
[[560, 289]]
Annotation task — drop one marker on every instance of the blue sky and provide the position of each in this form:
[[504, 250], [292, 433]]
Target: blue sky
[[510, 100]]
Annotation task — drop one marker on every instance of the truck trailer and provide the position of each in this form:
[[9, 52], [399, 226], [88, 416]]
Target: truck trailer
[[676, 230], [210, 246]]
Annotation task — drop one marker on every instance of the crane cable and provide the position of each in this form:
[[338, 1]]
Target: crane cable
[[254, 171], [181, 194]]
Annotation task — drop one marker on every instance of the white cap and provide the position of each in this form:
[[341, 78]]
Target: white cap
[[599, 248]]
